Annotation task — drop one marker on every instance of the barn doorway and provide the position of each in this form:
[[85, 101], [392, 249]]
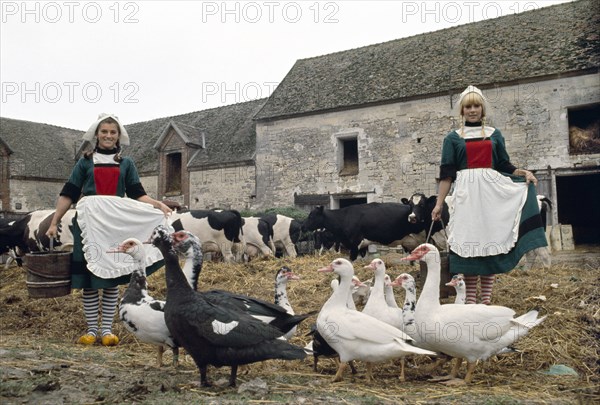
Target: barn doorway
[[346, 202], [577, 203]]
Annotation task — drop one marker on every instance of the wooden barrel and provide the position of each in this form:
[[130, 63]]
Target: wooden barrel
[[445, 276], [48, 274]]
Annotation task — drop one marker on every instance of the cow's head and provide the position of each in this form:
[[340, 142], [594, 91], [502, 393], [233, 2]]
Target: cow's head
[[315, 219], [417, 203]]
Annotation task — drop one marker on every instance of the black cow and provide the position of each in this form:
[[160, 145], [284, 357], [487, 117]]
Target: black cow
[[217, 230], [420, 215], [383, 223]]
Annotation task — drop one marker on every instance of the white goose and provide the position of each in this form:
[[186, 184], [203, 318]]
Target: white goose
[[458, 282], [377, 306], [361, 291], [390, 299], [355, 335], [141, 314], [477, 331]]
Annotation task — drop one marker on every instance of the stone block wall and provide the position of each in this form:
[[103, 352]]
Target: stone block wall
[[29, 195], [399, 144], [226, 188]]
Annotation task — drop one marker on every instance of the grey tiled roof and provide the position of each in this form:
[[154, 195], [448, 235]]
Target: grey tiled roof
[[230, 136], [40, 150], [552, 40]]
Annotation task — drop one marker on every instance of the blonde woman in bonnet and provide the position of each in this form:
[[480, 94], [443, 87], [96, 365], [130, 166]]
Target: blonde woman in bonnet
[[494, 216], [96, 184]]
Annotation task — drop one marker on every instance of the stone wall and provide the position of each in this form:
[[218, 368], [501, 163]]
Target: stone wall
[[226, 188], [28, 195], [399, 144]]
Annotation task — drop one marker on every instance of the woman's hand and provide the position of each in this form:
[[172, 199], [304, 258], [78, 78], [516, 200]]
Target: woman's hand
[[436, 213], [164, 208], [529, 177], [52, 231]]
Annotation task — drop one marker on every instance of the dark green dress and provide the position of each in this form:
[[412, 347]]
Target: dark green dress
[[100, 175], [475, 160]]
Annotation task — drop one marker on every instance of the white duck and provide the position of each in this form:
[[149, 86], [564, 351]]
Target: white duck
[[377, 306], [473, 332], [361, 291], [281, 279], [141, 314], [458, 282], [355, 335], [390, 299], [356, 283]]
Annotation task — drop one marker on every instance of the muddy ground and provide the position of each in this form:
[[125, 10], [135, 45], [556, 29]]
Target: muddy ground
[[41, 364]]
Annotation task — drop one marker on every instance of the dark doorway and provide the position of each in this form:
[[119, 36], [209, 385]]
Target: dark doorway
[[578, 197], [346, 202]]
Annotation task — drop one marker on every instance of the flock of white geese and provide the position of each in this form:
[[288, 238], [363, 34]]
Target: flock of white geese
[[382, 331]]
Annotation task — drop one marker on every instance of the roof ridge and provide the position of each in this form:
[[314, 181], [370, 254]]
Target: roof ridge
[[514, 15]]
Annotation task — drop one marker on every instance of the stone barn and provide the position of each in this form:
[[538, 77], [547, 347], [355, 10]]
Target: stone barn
[[367, 124]]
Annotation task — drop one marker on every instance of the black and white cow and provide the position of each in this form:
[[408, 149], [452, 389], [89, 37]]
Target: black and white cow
[[258, 238], [545, 206], [28, 234], [286, 232], [382, 223], [217, 230], [420, 215]]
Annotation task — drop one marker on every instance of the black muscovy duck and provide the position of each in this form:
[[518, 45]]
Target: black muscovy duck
[[187, 244], [218, 335]]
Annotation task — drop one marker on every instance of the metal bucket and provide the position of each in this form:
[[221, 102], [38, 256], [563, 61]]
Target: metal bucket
[[445, 276], [48, 274]]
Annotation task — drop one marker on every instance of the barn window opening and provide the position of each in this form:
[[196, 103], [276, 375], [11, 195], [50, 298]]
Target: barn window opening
[[173, 174], [584, 129], [348, 161], [346, 202]]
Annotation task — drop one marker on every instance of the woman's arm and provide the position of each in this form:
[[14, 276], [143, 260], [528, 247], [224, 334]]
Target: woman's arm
[[444, 189], [62, 206], [156, 204]]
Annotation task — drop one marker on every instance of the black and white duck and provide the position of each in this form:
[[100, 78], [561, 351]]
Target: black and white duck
[[141, 314], [188, 245], [218, 335]]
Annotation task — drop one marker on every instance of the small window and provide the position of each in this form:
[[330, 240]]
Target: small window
[[173, 180], [349, 156], [346, 202], [584, 129]]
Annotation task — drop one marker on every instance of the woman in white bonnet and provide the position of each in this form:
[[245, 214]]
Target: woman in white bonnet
[[494, 216], [101, 172]]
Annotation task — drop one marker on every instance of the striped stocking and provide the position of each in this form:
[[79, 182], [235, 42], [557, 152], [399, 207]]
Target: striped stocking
[[90, 308], [110, 297], [487, 284], [471, 284]]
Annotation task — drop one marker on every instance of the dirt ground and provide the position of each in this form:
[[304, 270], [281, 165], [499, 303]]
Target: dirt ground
[[41, 364]]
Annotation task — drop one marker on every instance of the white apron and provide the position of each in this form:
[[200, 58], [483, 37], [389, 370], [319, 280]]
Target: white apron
[[485, 211], [105, 222]]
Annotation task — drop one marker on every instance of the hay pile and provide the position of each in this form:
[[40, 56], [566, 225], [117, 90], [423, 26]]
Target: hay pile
[[569, 336]]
